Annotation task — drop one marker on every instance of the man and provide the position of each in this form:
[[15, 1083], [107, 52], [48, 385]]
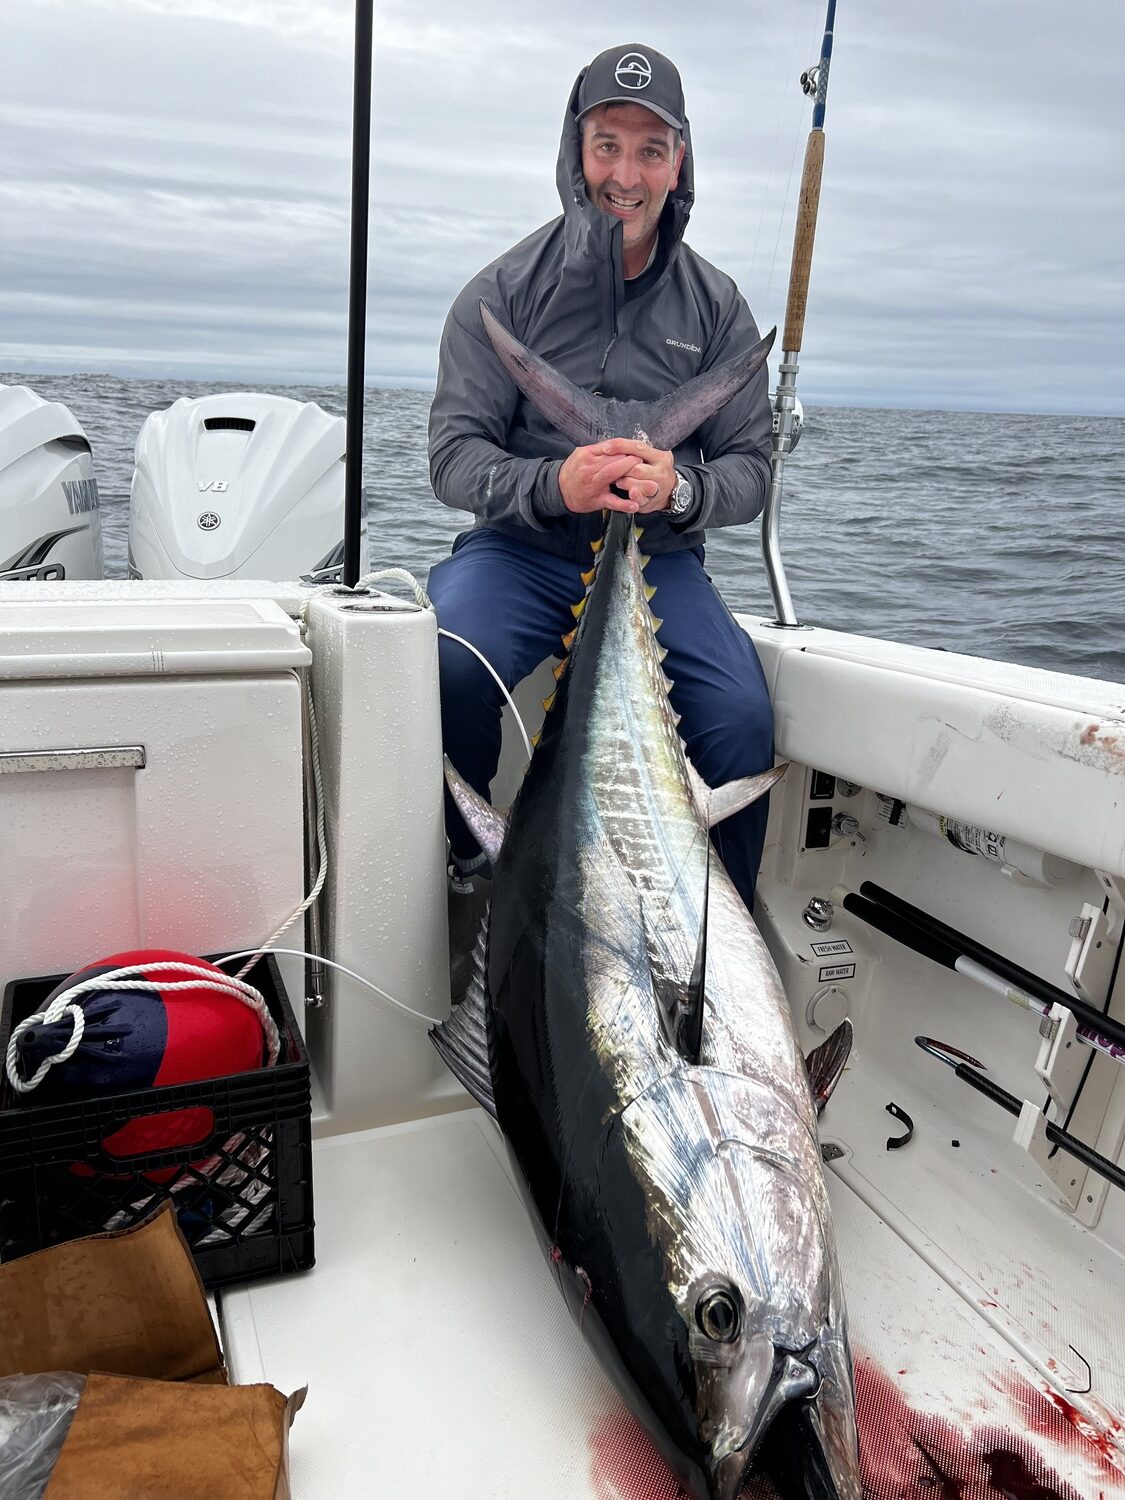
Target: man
[[610, 295]]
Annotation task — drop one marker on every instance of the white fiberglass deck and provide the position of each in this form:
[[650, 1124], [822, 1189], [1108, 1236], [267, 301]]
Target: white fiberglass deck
[[441, 1361]]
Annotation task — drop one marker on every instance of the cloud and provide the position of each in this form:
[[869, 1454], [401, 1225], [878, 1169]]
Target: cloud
[[176, 182]]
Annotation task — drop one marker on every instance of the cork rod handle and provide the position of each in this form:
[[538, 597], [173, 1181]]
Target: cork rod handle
[[803, 237]]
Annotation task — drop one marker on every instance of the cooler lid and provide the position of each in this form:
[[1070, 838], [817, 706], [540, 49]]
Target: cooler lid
[[130, 637]]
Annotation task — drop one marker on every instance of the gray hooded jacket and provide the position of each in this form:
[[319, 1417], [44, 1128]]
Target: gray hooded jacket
[[562, 293]]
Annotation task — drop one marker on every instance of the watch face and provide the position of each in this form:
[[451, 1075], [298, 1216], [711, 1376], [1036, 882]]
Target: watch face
[[681, 496]]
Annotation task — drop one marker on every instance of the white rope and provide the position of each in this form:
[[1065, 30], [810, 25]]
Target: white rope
[[332, 964], [59, 1007], [321, 836], [115, 979], [403, 575]]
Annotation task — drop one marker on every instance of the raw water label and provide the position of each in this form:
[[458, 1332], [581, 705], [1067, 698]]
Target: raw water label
[[836, 971], [825, 950]]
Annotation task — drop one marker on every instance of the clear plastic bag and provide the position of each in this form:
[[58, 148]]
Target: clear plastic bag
[[35, 1416]]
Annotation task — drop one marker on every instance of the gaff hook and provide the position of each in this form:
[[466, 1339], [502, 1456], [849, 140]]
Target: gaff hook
[[946, 1053]]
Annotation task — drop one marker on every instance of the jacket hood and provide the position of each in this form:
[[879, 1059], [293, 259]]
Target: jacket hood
[[588, 230]]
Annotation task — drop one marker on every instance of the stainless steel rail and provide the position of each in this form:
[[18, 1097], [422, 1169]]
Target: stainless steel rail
[[92, 758]]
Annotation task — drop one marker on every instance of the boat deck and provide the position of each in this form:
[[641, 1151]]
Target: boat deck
[[441, 1361]]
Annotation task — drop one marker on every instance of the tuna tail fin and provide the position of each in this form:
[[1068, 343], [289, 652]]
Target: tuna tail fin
[[575, 412], [676, 416], [584, 418]]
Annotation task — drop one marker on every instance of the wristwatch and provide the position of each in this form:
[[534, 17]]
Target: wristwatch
[[682, 498]]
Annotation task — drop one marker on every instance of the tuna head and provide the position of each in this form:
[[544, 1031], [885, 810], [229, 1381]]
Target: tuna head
[[744, 1363]]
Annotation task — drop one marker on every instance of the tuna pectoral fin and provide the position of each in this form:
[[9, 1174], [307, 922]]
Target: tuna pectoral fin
[[462, 1041], [575, 412], [721, 802], [676, 416], [485, 824], [826, 1063]]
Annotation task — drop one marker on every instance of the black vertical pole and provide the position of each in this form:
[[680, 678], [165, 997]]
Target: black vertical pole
[[357, 287]]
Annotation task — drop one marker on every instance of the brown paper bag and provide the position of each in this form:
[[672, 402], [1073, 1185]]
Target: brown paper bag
[[152, 1440], [158, 1420], [130, 1302]]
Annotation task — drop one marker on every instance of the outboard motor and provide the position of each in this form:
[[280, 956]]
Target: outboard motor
[[50, 525], [238, 486]]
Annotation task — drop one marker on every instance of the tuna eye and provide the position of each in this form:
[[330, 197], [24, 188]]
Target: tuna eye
[[716, 1312]]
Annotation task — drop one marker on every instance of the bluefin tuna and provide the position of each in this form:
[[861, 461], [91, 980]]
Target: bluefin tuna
[[628, 1030]]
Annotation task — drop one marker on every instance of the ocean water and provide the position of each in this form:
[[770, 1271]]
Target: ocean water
[[999, 536]]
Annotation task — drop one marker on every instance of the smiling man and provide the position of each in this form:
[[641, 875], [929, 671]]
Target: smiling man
[[611, 295]]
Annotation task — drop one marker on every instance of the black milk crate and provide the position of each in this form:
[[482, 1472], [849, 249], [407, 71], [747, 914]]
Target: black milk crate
[[243, 1195]]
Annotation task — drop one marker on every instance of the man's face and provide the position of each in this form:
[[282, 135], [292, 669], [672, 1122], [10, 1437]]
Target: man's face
[[631, 164]]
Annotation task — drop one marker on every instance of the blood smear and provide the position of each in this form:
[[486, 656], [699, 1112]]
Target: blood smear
[[905, 1454]]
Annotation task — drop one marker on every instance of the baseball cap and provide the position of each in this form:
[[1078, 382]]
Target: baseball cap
[[634, 74]]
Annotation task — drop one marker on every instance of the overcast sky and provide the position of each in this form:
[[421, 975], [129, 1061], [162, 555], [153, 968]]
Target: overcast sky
[[174, 183]]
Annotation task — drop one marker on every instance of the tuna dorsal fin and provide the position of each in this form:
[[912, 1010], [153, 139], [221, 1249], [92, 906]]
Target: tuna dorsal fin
[[826, 1062], [485, 824], [462, 1041], [575, 412], [717, 803], [676, 416]]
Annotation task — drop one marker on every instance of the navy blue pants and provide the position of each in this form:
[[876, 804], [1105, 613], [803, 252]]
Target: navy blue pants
[[513, 601]]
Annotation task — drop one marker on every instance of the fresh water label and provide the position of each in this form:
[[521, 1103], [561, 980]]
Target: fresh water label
[[826, 950], [836, 971]]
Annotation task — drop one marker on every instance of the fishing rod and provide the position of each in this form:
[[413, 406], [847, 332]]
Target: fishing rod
[[357, 289], [814, 81], [937, 940], [960, 1062]]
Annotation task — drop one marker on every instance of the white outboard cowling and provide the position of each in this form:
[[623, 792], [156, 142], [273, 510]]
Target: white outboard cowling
[[238, 486], [50, 525]]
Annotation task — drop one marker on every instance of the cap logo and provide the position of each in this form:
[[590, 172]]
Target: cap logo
[[634, 71]]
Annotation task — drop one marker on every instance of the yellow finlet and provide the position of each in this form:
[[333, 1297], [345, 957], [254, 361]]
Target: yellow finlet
[[568, 639], [650, 591], [576, 609], [535, 738], [656, 624], [661, 652], [646, 558], [557, 672], [588, 578], [548, 703], [597, 545], [638, 532]]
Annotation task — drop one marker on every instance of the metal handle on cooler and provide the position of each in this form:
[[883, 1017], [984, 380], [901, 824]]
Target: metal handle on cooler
[[93, 758]]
